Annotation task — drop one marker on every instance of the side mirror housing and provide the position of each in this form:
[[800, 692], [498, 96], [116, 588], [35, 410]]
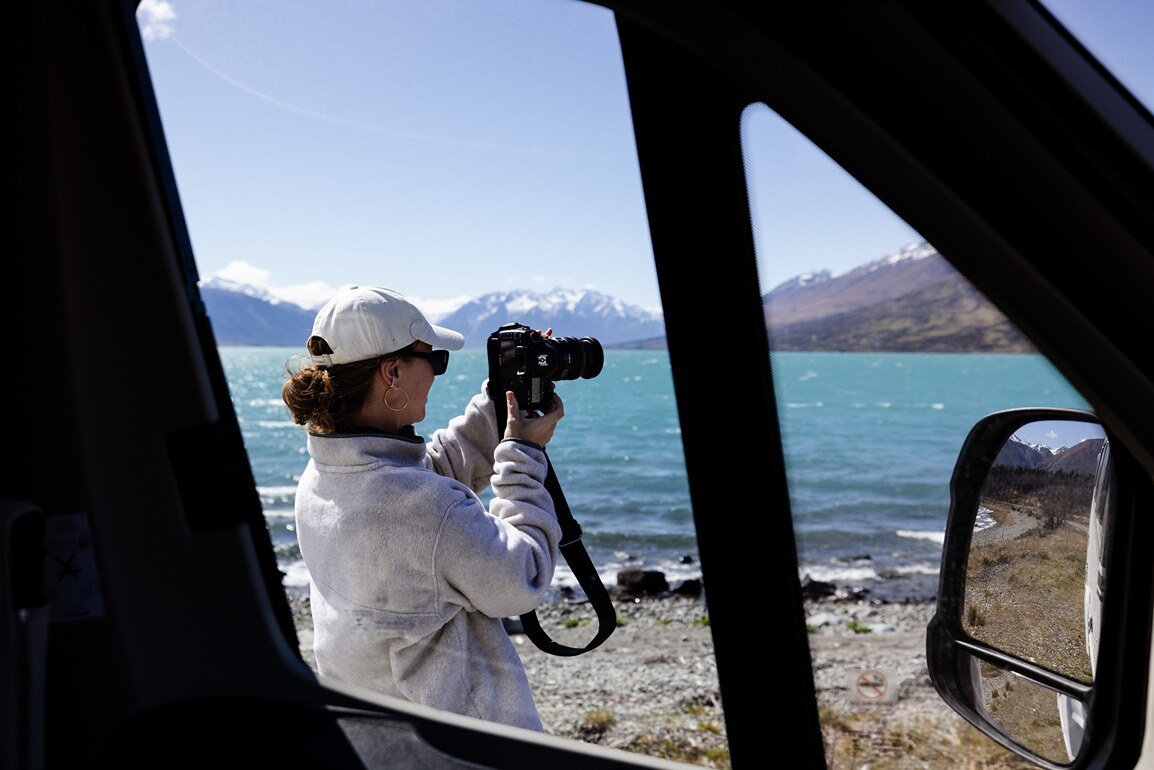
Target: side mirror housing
[[1014, 644]]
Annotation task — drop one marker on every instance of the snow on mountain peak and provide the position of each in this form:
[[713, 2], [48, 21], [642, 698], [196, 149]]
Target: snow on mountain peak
[[225, 284], [559, 300], [908, 253], [1037, 447]]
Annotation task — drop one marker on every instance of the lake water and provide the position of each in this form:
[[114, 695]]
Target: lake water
[[870, 439]]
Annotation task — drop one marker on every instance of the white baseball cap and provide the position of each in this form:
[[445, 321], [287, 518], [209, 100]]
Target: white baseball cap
[[364, 322]]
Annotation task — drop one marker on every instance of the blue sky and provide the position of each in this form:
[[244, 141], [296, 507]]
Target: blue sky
[[447, 148], [1059, 433]]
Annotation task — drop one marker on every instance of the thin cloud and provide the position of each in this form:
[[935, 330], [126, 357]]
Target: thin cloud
[[281, 104], [313, 294], [242, 272], [308, 295]]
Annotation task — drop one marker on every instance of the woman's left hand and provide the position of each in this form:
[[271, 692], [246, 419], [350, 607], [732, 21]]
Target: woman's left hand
[[529, 426]]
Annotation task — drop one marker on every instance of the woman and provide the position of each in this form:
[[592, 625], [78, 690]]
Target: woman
[[410, 575]]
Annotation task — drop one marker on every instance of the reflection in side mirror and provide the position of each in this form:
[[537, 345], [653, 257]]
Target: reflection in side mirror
[[1013, 645], [1029, 575], [1028, 711]]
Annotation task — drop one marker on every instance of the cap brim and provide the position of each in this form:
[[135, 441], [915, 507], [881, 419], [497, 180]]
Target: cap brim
[[439, 336]]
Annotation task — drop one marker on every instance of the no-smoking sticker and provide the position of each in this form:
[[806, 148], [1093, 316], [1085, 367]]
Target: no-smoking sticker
[[70, 568], [873, 685]]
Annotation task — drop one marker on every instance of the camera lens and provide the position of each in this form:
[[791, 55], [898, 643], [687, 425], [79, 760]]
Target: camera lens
[[582, 357]]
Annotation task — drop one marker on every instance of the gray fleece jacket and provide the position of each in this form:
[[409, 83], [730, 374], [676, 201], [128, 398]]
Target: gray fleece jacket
[[411, 576]]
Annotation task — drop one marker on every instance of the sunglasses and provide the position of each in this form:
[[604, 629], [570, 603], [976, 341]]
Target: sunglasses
[[438, 358]]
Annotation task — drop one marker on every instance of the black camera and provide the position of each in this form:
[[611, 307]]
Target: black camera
[[525, 362]]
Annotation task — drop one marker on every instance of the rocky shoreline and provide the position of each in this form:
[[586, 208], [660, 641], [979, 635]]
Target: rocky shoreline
[[652, 686]]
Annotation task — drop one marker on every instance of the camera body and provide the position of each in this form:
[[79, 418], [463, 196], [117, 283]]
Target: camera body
[[527, 363]]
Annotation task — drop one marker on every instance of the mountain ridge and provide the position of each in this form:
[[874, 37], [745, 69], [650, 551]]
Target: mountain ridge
[[1080, 459], [910, 300]]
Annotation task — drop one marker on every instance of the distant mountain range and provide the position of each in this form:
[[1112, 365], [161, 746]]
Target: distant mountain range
[[1080, 459], [911, 300], [244, 315], [571, 313]]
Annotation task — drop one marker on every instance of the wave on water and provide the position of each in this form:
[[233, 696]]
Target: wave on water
[[266, 402], [914, 569], [985, 519], [283, 490], [277, 500], [894, 578], [934, 536], [296, 575], [839, 574]]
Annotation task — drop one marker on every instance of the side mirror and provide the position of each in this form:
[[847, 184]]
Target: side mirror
[[1013, 645]]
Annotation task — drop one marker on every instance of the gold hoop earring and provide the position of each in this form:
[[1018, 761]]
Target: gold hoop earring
[[400, 408]]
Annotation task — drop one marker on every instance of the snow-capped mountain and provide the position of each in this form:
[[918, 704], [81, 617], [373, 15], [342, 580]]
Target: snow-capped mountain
[[901, 258], [1022, 454], [571, 313], [902, 272], [1080, 459], [246, 315], [910, 300], [218, 283]]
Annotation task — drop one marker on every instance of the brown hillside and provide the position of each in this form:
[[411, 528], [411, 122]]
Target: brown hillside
[[909, 305], [871, 284], [950, 316]]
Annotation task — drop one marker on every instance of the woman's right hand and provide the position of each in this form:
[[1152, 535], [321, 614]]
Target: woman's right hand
[[530, 426]]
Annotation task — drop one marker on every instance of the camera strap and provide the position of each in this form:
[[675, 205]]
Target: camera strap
[[583, 569], [575, 555]]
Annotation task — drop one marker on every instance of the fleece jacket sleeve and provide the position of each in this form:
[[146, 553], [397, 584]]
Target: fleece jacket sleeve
[[464, 449], [503, 563]]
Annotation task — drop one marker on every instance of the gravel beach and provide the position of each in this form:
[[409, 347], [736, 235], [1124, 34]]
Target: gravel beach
[[652, 687]]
